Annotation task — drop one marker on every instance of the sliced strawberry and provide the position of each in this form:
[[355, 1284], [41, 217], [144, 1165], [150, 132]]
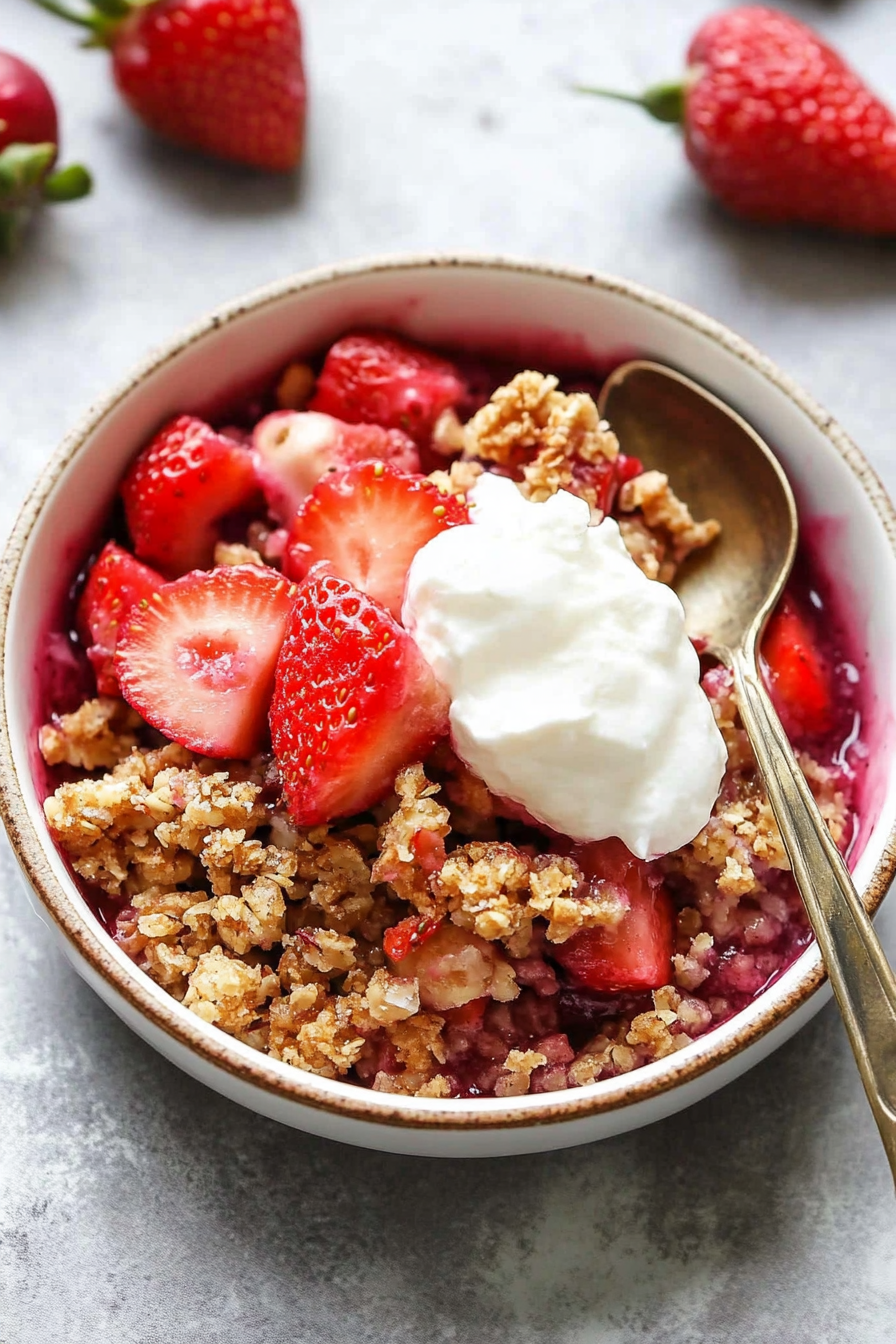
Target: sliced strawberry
[[637, 953], [606, 476], [354, 702], [409, 933], [198, 662], [797, 672], [116, 583], [294, 449], [179, 488], [469, 1016], [383, 380], [368, 523]]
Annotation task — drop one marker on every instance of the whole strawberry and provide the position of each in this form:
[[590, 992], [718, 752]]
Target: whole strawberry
[[778, 126], [29, 144], [221, 76]]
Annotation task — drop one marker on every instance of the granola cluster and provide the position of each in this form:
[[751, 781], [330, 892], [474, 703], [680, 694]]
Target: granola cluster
[[532, 425], [657, 527], [552, 440], [98, 733]]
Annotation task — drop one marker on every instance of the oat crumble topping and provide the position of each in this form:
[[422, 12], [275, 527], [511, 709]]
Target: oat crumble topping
[[531, 415], [667, 520], [448, 434], [228, 991], [498, 892], [518, 1069], [458, 479], [99, 733], [412, 841], [295, 387], [234, 553]]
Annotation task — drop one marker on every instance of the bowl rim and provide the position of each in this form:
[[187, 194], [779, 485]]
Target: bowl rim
[[89, 940]]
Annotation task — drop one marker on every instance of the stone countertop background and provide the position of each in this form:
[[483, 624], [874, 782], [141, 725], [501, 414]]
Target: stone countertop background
[[136, 1206]]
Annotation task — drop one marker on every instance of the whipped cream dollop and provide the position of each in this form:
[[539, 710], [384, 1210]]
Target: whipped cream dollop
[[574, 689]]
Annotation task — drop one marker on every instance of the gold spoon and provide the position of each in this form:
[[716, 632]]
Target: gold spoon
[[724, 470]]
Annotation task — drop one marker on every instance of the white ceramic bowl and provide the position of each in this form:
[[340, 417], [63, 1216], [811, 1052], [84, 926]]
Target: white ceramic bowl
[[443, 301]]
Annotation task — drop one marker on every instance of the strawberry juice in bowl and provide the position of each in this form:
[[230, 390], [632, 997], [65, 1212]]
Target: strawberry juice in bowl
[[593, 1047]]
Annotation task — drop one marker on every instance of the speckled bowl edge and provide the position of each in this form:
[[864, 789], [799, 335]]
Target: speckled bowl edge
[[89, 941]]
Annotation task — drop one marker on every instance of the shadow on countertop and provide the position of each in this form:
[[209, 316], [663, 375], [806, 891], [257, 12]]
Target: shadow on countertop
[[203, 185], [801, 267]]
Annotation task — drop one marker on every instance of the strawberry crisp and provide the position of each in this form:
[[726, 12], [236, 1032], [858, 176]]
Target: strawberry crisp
[[252, 775]]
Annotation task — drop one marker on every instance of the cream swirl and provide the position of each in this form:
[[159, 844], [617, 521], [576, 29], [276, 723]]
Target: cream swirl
[[574, 689]]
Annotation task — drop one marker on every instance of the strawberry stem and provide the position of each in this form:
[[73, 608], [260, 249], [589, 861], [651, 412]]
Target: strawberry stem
[[26, 180], [101, 18], [10, 228], [67, 184], [665, 102], [23, 167], [114, 9], [70, 15]]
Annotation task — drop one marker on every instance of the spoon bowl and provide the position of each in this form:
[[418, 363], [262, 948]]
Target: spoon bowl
[[728, 472], [724, 470]]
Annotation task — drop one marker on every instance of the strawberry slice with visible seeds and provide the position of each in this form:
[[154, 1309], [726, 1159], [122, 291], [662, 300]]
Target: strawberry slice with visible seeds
[[198, 661], [116, 583], [367, 524], [179, 488], [797, 672], [380, 379], [637, 953], [354, 702], [409, 933], [294, 449]]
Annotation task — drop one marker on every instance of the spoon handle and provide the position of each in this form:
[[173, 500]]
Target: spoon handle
[[863, 982]]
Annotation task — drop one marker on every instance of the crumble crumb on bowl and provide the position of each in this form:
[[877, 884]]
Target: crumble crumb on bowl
[[438, 941], [99, 732], [666, 520]]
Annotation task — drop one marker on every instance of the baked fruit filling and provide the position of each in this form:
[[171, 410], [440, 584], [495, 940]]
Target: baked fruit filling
[[257, 775]]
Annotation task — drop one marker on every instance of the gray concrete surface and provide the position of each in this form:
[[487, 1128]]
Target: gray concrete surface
[[135, 1206]]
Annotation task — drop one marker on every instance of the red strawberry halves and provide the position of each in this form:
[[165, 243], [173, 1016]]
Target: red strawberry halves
[[367, 524], [384, 380], [198, 660], [797, 672], [354, 702], [115, 585], [221, 76], [780, 128], [635, 954], [178, 490]]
